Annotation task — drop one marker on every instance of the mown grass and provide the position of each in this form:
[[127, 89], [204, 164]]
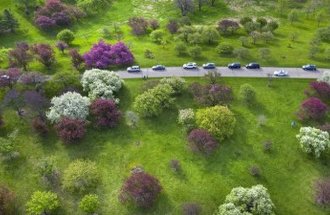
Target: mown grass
[[88, 31], [287, 172]]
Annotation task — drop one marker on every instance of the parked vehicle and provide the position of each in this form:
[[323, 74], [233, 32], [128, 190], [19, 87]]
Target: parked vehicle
[[253, 66], [234, 66], [281, 73], [134, 69], [309, 67], [209, 66], [190, 65], [158, 67]]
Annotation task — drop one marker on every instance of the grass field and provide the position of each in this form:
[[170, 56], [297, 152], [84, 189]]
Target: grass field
[[88, 31], [287, 172]]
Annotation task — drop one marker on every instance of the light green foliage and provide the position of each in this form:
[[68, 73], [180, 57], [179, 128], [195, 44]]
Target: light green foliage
[[71, 105], [89, 203], [225, 49], [241, 53], [132, 119], [81, 176], [92, 6], [4, 54], [177, 83], [218, 120], [325, 77], [101, 84], [313, 140], [293, 16], [154, 101], [7, 146], [181, 48], [185, 31], [195, 52], [210, 35], [247, 94], [247, 201], [157, 36], [42, 203], [195, 38], [186, 118], [66, 35]]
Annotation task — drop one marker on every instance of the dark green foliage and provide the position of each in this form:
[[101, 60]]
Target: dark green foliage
[[8, 23]]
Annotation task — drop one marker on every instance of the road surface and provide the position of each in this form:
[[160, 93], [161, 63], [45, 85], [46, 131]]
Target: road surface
[[225, 72]]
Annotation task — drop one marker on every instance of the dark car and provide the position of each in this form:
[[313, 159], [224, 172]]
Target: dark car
[[234, 66], [158, 67], [209, 66], [134, 69], [253, 66], [309, 67]]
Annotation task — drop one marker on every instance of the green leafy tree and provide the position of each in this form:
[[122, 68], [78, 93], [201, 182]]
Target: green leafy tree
[[195, 38], [81, 176], [8, 22], [247, 94], [241, 53], [195, 52], [225, 49], [210, 35], [157, 36], [217, 120], [186, 118], [42, 203], [66, 36], [177, 83], [185, 31], [272, 26], [89, 203], [92, 6], [27, 5], [244, 40], [181, 48]]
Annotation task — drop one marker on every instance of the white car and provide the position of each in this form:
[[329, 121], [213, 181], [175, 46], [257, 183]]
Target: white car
[[281, 73], [190, 65]]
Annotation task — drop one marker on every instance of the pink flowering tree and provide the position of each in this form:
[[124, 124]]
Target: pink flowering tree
[[105, 113], [312, 109]]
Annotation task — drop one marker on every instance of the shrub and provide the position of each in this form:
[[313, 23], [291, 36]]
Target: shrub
[[177, 83], [322, 89], [81, 176], [225, 49], [105, 113], [8, 147], [71, 105], [148, 54], [44, 53], [175, 165], [268, 145], [255, 171], [92, 6], [181, 48], [172, 26], [77, 59], [195, 52], [31, 78], [101, 84], [312, 108], [149, 84], [241, 53], [10, 77], [7, 198], [313, 140], [139, 25], [154, 24], [48, 171], [324, 34], [217, 120], [247, 94], [66, 36], [213, 94], [157, 36], [103, 55], [245, 20], [20, 56], [254, 200], [272, 26], [227, 26], [210, 35], [70, 130], [154, 101], [325, 127], [132, 119], [42, 203], [61, 46], [201, 141], [186, 118], [140, 188], [262, 21], [191, 209], [322, 192], [40, 126], [89, 203]]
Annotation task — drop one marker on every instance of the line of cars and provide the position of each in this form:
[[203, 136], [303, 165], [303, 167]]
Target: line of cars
[[236, 65]]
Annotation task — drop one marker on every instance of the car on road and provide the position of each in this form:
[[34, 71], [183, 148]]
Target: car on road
[[134, 69], [190, 65], [158, 67], [281, 73], [253, 66], [309, 67], [234, 66], [209, 66]]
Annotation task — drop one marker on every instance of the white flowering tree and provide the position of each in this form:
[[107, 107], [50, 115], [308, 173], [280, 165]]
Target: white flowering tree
[[325, 77], [101, 84], [313, 140], [186, 118], [244, 201], [71, 105]]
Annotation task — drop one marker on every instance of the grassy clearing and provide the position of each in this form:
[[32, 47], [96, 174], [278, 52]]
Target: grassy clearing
[[287, 172], [284, 52]]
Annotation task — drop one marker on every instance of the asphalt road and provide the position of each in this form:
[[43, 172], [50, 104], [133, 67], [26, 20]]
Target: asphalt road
[[225, 72]]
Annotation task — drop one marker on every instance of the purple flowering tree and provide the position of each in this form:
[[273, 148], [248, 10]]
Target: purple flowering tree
[[31, 78], [20, 56], [36, 101], [105, 113], [44, 53], [14, 99], [10, 77], [321, 89], [61, 46], [76, 59], [103, 55], [312, 108]]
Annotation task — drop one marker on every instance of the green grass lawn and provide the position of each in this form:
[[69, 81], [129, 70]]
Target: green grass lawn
[[287, 172], [88, 31]]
